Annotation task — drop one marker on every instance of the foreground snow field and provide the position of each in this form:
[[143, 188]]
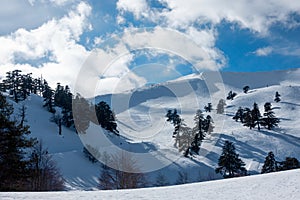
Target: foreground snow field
[[274, 186]]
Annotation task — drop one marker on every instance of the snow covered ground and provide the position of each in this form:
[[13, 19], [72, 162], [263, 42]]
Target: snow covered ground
[[274, 186], [144, 130]]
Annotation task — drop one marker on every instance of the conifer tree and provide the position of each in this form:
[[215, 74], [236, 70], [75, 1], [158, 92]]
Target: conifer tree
[[269, 120], [277, 97], [269, 164], [256, 116], [14, 144], [231, 95], [246, 89], [208, 108], [106, 117], [220, 106], [247, 118], [198, 131], [48, 96], [239, 115], [229, 164]]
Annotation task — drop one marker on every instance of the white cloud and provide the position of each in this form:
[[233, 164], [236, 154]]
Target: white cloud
[[55, 42], [265, 51], [255, 15], [139, 8]]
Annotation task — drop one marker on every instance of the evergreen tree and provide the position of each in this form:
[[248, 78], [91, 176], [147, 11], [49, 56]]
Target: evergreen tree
[[246, 89], [277, 97], [230, 165], [231, 95], [269, 164], [198, 131], [106, 117], [174, 118], [239, 115], [82, 114], [14, 144], [220, 106], [208, 108], [269, 120], [247, 118], [289, 163], [208, 126], [256, 116], [48, 96]]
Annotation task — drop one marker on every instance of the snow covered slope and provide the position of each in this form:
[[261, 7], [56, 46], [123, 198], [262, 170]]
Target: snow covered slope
[[143, 126], [274, 186]]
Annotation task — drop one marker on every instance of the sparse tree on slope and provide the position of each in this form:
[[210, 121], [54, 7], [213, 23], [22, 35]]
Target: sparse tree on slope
[[220, 106], [269, 120], [230, 165], [246, 89], [269, 164], [277, 97]]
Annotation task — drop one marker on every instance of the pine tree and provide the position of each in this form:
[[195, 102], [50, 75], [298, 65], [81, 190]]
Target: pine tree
[[231, 95], [82, 112], [277, 97], [289, 163], [269, 120], [48, 96], [256, 116], [14, 144], [220, 106], [198, 132], [106, 117], [230, 165], [239, 115], [246, 89], [269, 164], [208, 108], [208, 126], [247, 118]]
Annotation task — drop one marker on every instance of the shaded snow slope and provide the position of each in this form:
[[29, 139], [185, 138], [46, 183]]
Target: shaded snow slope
[[274, 186]]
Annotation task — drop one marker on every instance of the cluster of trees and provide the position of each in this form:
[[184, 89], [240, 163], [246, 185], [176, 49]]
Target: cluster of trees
[[252, 117], [188, 140], [25, 165], [20, 86], [271, 165]]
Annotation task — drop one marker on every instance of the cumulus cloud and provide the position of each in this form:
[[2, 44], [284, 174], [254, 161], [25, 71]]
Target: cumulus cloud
[[139, 8], [255, 15], [265, 51], [55, 42]]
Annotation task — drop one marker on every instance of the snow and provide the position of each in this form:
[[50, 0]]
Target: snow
[[274, 186], [144, 130]]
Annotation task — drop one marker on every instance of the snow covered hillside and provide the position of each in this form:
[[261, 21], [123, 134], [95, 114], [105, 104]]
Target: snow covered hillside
[[274, 186], [144, 130]]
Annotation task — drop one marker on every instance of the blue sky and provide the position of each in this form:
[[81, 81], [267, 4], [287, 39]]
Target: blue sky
[[56, 38]]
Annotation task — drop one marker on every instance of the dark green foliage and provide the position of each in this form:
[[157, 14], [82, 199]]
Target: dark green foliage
[[174, 118], [14, 144], [48, 95], [269, 120], [208, 108], [231, 95], [277, 97], [269, 164], [256, 116], [229, 164], [82, 114], [220, 106], [288, 164], [246, 89], [239, 115], [247, 118], [106, 117], [198, 131]]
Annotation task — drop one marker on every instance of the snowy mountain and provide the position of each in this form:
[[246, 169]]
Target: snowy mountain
[[144, 131]]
